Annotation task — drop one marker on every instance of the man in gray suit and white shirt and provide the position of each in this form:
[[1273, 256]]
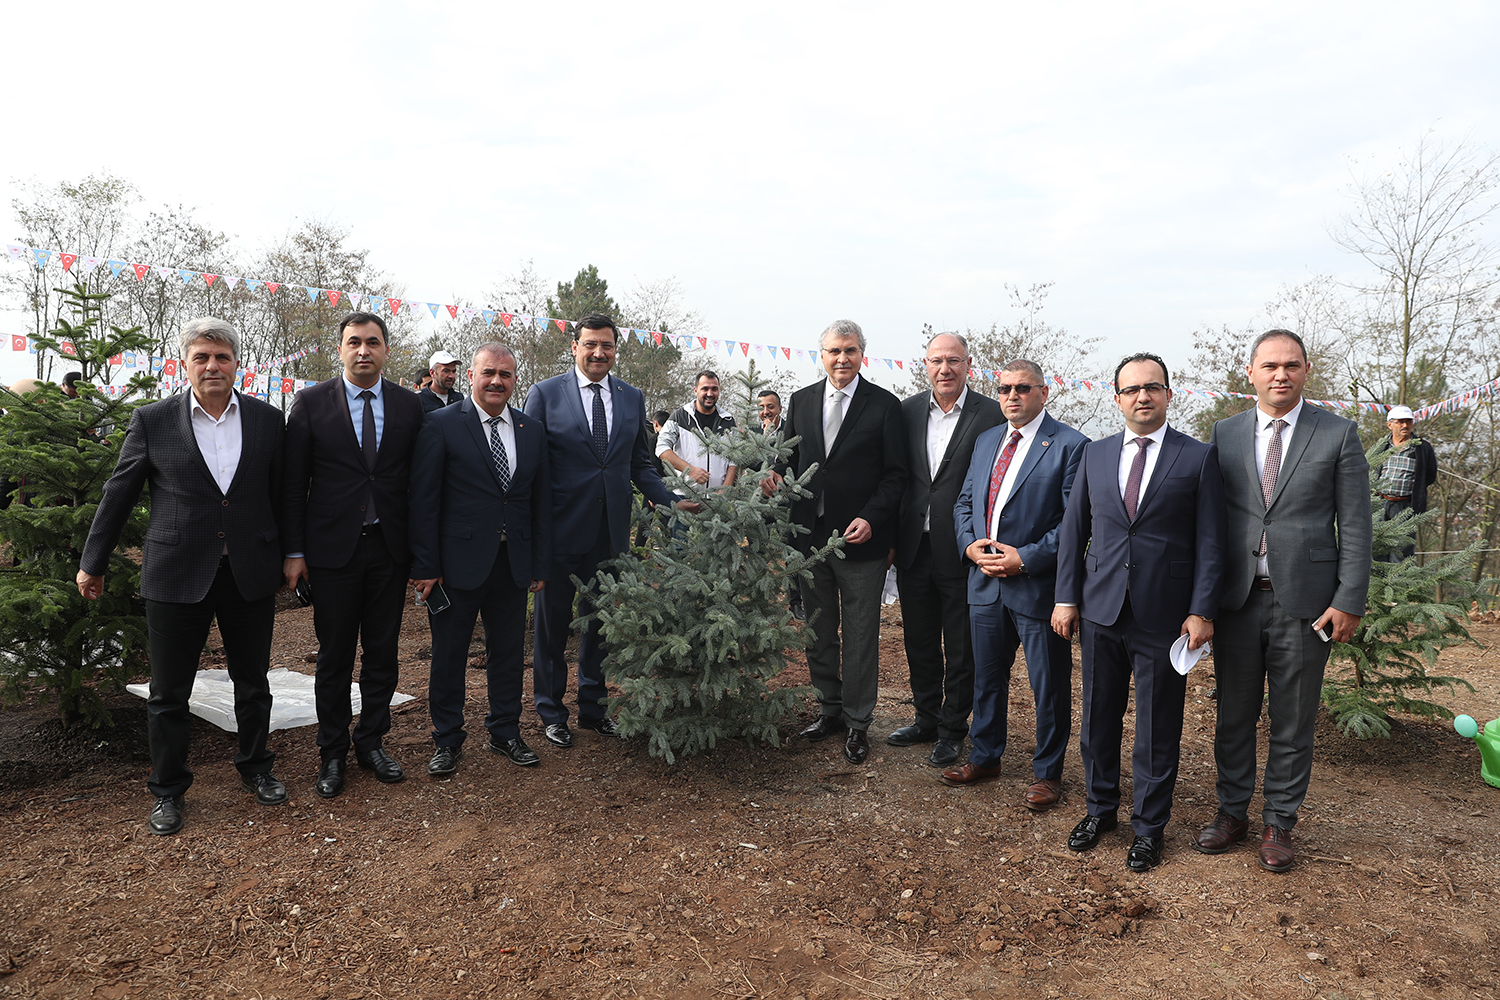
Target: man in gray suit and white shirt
[[1297, 574]]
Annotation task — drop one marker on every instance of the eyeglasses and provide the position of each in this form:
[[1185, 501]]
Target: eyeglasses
[[1151, 389], [949, 362], [1020, 389]]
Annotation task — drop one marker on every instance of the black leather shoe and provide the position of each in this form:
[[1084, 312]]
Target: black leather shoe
[[383, 765], [445, 762], [166, 815], [1086, 834], [1144, 853], [945, 753], [856, 747], [604, 726], [331, 777], [908, 736], [559, 735], [826, 726], [268, 791], [516, 750], [798, 613]]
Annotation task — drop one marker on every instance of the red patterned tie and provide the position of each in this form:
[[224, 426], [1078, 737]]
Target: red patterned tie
[[998, 476]]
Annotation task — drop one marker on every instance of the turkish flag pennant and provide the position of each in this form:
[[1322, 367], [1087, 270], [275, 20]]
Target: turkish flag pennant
[[273, 285], [286, 386], [141, 270], [703, 343], [655, 336], [745, 348], [506, 318], [66, 346], [788, 352], [900, 365], [210, 278], [248, 384], [452, 311], [395, 305], [867, 361], [169, 367], [67, 259], [117, 359], [334, 296], [562, 324], [17, 343]]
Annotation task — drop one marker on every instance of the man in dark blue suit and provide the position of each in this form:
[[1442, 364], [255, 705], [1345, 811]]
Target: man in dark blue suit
[[481, 525], [1141, 560], [596, 448], [1006, 519]]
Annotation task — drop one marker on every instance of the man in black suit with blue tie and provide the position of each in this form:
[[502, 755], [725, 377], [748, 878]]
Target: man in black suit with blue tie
[[1140, 559], [481, 525], [349, 442], [213, 458]]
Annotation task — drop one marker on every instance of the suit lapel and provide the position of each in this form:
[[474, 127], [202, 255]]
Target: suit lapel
[[916, 433], [1171, 447], [185, 427], [856, 406], [249, 439], [341, 403], [573, 400], [812, 433], [1039, 447], [965, 421], [1113, 445], [1301, 438], [479, 436], [621, 416]]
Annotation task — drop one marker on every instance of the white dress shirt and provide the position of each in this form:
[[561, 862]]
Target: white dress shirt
[[940, 427], [587, 396], [1262, 442], [219, 440], [1127, 457], [1008, 484], [507, 432]]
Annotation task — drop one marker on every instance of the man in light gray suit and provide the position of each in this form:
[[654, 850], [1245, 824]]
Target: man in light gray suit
[[1296, 577]]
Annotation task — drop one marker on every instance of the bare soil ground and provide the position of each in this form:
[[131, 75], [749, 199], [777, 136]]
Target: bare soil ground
[[751, 872]]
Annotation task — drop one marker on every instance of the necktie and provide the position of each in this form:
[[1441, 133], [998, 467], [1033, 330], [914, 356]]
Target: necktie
[[1133, 481], [833, 419], [497, 453], [1269, 472], [367, 444], [600, 422], [998, 476]]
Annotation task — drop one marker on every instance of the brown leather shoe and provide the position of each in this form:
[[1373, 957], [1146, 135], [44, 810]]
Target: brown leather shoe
[[968, 774], [1220, 835], [1276, 853], [1043, 794]]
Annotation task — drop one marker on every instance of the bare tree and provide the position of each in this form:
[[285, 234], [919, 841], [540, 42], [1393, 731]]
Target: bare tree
[[1420, 227]]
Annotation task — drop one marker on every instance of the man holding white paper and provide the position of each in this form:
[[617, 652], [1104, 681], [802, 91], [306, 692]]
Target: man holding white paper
[[1140, 559]]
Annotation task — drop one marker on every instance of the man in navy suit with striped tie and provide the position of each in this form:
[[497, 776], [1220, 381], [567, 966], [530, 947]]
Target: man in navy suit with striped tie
[[1141, 560], [481, 525], [1006, 519]]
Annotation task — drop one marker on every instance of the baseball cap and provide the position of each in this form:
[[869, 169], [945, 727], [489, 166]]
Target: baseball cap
[[1400, 413], [440, 358]]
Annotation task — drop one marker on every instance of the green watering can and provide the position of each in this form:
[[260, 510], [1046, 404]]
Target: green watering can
[[1489, 745]]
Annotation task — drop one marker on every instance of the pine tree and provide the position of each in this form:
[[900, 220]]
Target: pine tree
[[698, 626], [57, 453], [1405, 626]]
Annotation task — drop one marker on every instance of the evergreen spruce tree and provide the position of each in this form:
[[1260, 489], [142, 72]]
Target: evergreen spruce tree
[[56, 454], [698, 625], [1406, 625]]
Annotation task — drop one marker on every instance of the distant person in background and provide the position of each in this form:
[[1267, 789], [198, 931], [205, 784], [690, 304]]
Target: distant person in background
[[1408, 466], [421, 380], [213, 458], [442, 390], [680, 448], [70, 384]]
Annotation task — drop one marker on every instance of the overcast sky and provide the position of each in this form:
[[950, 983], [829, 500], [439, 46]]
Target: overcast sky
[[1168, 166]]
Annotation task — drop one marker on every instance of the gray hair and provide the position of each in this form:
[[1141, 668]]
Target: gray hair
[[843, 328], [962, 340], [493, 347], [1022, 365], [207, 328]]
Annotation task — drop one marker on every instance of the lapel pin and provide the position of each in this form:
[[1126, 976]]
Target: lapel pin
[[1046, 443]]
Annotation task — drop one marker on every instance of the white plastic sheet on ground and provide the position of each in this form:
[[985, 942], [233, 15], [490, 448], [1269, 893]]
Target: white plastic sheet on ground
[[291, 698]]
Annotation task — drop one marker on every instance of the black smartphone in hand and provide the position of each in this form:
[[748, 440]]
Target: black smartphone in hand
[[303, 592]]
